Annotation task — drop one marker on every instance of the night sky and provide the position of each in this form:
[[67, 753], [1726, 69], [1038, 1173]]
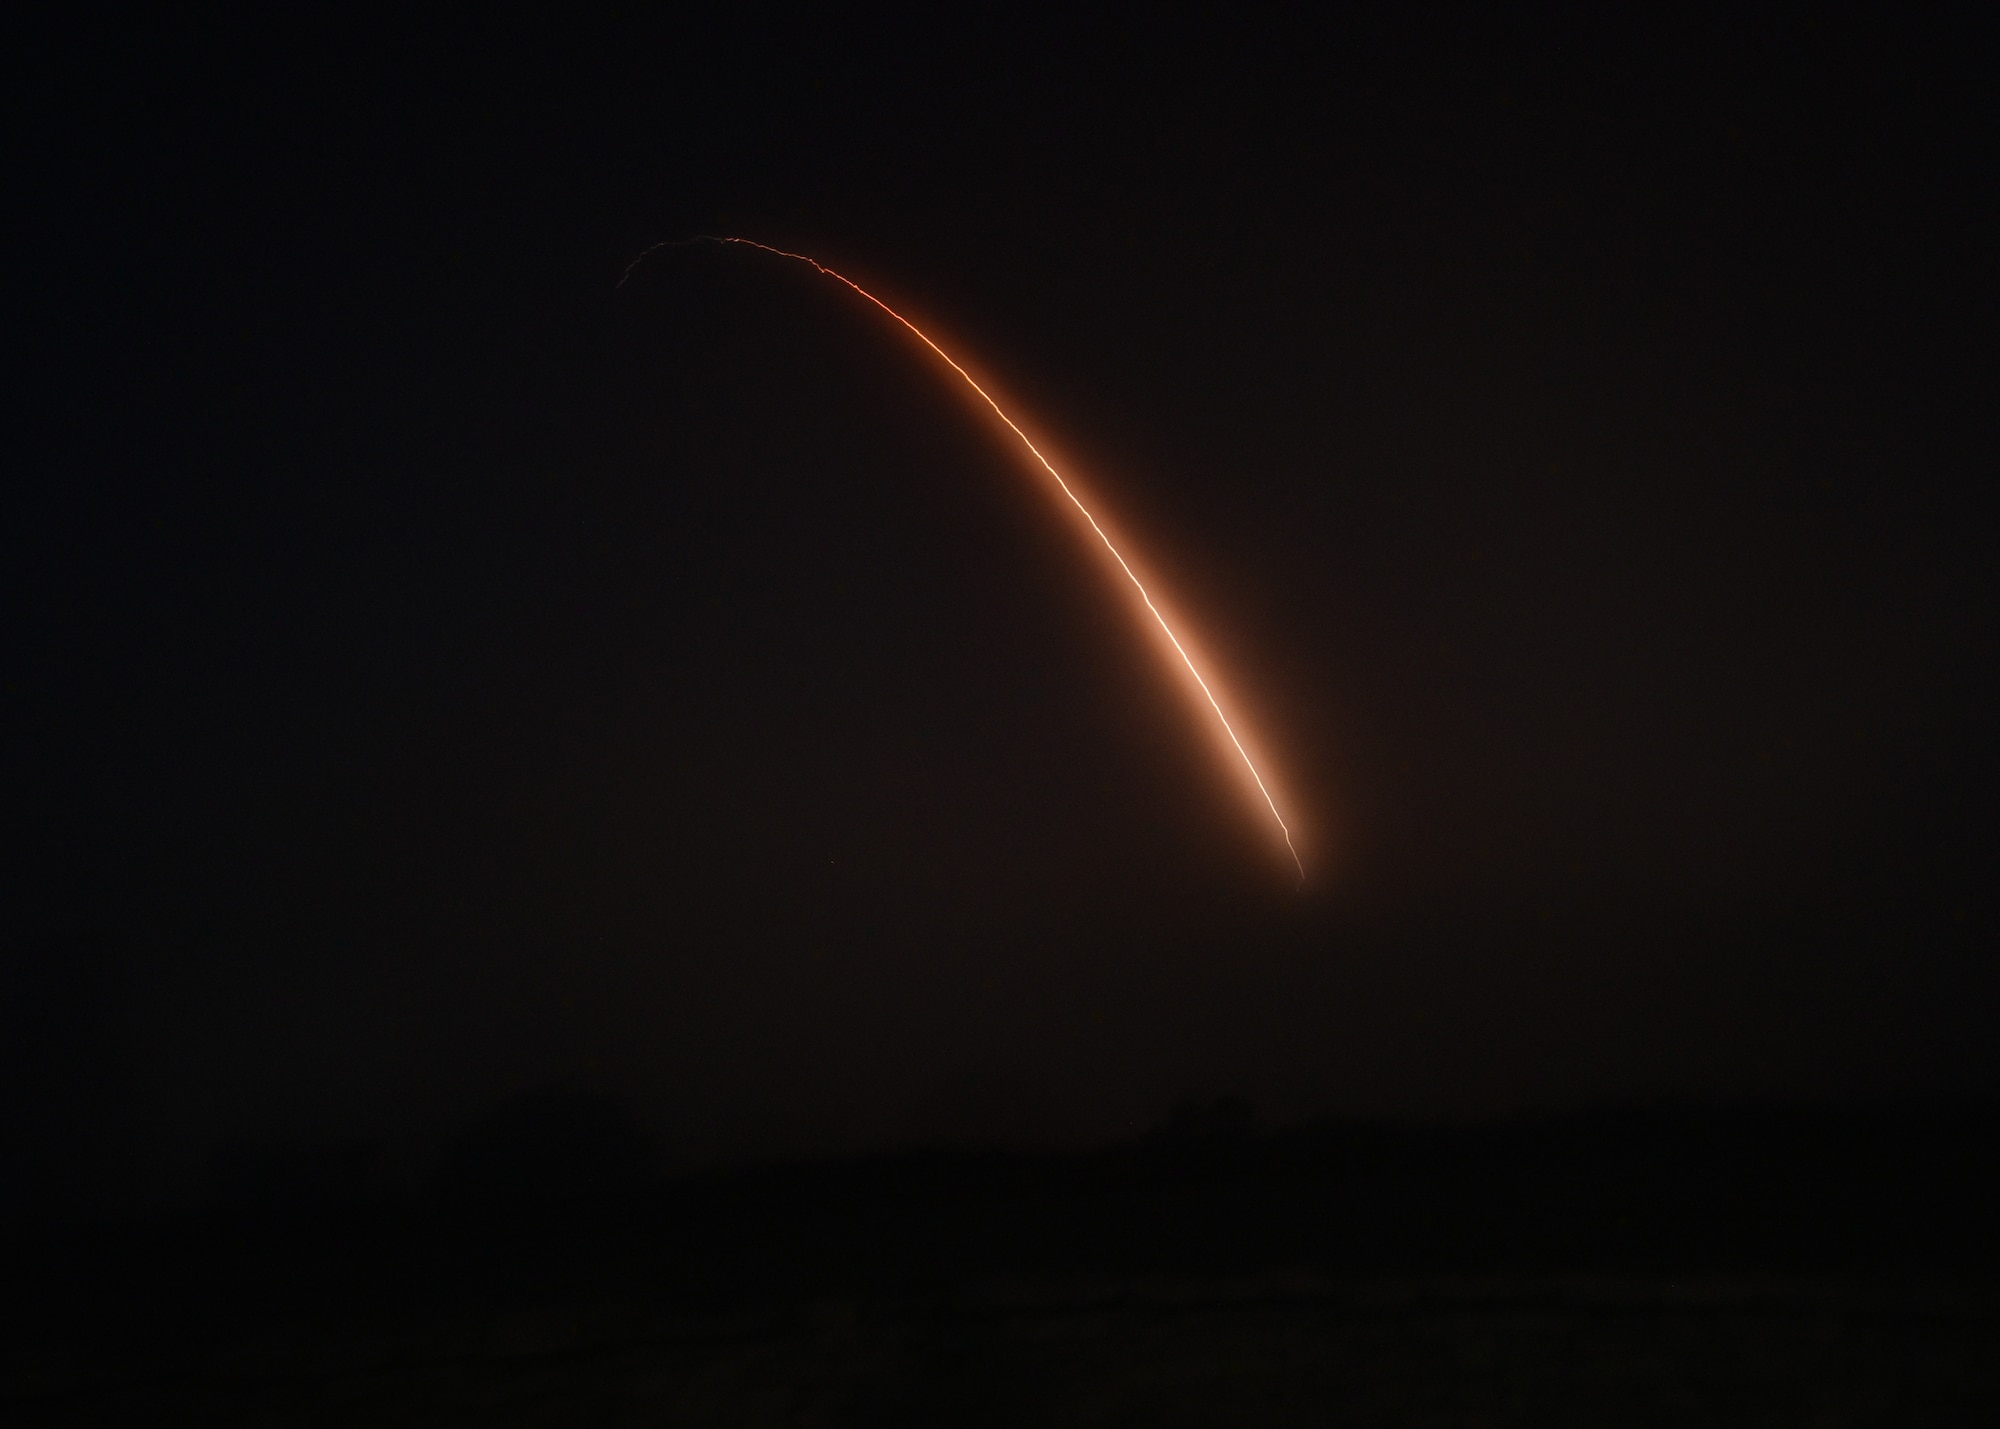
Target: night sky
[[435, 672]]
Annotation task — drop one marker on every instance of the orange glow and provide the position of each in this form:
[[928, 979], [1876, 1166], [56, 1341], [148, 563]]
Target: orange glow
[[1035, 452]]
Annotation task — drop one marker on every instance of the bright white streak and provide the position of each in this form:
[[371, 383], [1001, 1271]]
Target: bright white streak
[[1035, 452]]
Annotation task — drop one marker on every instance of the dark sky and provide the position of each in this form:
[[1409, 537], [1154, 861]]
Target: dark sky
[[434, 671]]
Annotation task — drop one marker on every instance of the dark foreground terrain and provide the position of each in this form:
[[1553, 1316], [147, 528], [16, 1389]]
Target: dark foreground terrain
[[1634, 1269]]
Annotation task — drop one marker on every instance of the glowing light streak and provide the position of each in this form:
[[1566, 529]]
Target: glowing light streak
[[1035, 452]]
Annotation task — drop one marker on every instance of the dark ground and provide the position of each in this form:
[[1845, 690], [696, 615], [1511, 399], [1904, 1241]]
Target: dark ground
[[1692, 1267]]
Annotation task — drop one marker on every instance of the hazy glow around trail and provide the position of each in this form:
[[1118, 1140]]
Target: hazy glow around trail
[[1035, 452]]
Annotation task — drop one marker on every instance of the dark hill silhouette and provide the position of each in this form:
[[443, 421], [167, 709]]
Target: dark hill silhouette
[[1766, 1256]]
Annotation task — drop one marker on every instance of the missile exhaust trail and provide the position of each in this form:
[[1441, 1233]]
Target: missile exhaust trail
[[1035, 452]]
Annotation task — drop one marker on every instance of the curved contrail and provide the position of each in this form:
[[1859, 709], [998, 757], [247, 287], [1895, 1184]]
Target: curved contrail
[[1035, 452]]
